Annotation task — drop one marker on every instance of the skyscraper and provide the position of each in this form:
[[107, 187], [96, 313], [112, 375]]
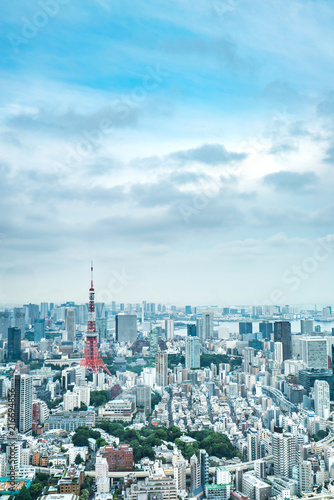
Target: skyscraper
[[278, 352], [248, 360], [154, 341], [314, 352], [44, 310], [204, 466], [70, 323], [39, 330], [161, 368], [195, 475], [306, 326], [284, 452], [192, 352], [22, 384], [282, 333], [14, 344], [20, 320], [180, 470], [191, 330], [266, 329], [245, 327], [207, 325], [126, 327], [102, 328], [169, 329], [143, 396], [4, 324], [321, 399]]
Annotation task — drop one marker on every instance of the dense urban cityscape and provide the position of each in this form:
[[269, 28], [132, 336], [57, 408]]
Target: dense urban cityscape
[[133, 401]]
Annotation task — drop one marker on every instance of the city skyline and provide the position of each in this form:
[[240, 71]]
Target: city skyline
[[168, 143]]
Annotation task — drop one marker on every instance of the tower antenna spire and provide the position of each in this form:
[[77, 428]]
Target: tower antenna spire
[[91, 276]]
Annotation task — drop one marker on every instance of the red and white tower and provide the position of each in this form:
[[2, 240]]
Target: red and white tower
[[91, 357]]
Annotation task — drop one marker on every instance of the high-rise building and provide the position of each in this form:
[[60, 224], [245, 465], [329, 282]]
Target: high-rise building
[[306, 477], [308, 377], [278, 352], [192, 352], [154, 341], [126, 327], [102, 328], [195, 475], [161, 369], [100, 310], [253, 445], [187, 310], [314, 352], [20, 320], [39, 330], [284, 452], [245, 327], [180, 470], [143, 396], [306, 326], [222, 488], [169, 329], [70, 323], [266, 328], [248, 360], [321, 399], [44, 310], [207, 325], [4, 324], [282, 333], [22, 385], [191, 330], [14, 344], [204, 463]]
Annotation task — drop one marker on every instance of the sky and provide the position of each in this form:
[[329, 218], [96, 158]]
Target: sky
[[187, 148]]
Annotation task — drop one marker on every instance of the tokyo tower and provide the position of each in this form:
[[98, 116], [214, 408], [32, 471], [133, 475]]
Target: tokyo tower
[[91, 357]]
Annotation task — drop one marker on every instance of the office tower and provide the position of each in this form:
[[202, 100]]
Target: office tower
[[260, 469], [4, 324], [22, 385], [195, 475], [314, 352], [308, 377], [207, 325], [306, 326], [14, 344], [101, 327], [180, 471], [266, 329], [91, 357], [199, 329], [169, 329], [143, 395], [191, 330], [100, 310], [284, 453], [321, 399], [126, 327], [44, 310], [20, 320], [70, 323], [161, 368], [187, 310], [192, 352], [245, 327], [33, 313], [39, 330], [278, 352], [305, 477], [282, 333], [248, 361], [253, 445], [204, 466], [154, 341]]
